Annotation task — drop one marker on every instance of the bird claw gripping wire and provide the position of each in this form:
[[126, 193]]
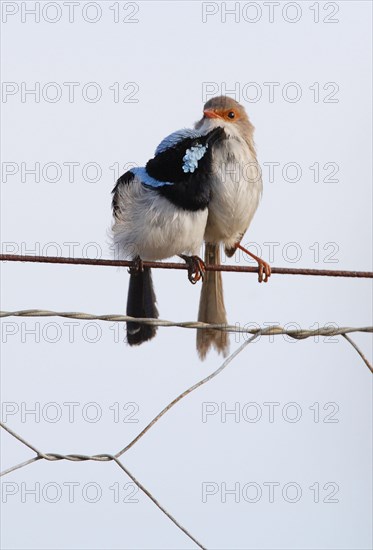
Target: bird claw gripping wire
[[136, 267], [196, 268], [264, 271]]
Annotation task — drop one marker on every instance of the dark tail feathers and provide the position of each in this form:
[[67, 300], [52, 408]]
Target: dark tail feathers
[[141, 303]]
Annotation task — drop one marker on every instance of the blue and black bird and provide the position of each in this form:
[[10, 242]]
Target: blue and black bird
[[203, 185], [160, 211]]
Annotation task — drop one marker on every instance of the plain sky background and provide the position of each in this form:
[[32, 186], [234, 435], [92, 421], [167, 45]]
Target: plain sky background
[[169, 54]]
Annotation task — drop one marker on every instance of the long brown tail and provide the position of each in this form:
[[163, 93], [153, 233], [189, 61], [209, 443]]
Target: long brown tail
[[212, 308]]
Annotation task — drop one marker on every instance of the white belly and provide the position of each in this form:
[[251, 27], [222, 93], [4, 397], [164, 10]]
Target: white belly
[[236, 192], [149, 226]]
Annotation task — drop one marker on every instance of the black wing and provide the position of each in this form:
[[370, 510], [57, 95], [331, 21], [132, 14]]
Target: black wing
[[125, 179], [167, 165], [190, 190], [175, 173]]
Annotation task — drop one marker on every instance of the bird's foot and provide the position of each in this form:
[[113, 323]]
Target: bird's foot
[[136, 267], [264, 269], [196, 268]]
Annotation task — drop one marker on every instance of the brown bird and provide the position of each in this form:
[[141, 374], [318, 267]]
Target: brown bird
[[236, 189]]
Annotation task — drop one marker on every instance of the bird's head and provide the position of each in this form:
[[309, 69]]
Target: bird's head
[[226, 112]]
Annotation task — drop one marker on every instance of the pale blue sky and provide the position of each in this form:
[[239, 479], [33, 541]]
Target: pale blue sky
[[170, 55]]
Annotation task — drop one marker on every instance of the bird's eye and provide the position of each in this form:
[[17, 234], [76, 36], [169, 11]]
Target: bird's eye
[[231, 114]]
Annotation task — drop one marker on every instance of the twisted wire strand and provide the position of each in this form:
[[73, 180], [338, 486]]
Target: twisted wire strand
[[115, 458], [100, 458], [273, 330], [173, 265], [255, 332], [104, 457], [108, 457]]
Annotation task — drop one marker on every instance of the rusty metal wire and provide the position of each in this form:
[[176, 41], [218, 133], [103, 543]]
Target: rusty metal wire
[[255, 333], [172, 265]]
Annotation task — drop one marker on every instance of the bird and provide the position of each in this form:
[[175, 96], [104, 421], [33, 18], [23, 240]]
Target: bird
[[236, 189], [160, 210]]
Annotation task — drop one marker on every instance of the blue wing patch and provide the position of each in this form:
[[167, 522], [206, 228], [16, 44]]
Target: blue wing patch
[[180, 158], [192, 156], [147, 180], [173, 139]]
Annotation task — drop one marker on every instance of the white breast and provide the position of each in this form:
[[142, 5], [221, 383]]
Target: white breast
[[236, 192]]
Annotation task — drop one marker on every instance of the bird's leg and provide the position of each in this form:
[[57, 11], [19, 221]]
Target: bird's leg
[[263, 267], [196, 267], [136, 267]]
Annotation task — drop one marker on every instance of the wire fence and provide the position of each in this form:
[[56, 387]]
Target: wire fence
[[173, 265], [253, 332]]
